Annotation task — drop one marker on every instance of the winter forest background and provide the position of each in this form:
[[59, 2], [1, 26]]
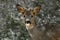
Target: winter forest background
[[10, 23]]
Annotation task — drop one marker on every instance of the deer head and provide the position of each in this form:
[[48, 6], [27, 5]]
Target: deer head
[[28, 15]]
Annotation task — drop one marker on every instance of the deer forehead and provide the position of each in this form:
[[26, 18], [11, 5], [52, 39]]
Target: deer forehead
[[28, 12]]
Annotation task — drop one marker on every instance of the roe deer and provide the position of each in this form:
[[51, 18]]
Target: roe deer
[[28, 18]]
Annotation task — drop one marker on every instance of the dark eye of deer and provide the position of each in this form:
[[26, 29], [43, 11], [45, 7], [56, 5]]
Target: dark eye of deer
[[24, 15], [31, 15]]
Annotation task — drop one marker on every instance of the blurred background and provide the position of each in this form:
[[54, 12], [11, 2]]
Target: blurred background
[[11, 26]]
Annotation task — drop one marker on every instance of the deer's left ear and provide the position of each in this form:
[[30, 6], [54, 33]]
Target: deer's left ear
[[37, 9]]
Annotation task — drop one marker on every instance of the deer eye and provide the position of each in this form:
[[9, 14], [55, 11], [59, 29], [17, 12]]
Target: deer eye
[[24, 15], [31, 15]]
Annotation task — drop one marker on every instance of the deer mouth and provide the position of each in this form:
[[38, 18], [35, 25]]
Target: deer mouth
[[28, 23], [28, 26]]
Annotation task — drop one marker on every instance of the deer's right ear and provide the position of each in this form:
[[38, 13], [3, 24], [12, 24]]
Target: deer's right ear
[[20, 9]]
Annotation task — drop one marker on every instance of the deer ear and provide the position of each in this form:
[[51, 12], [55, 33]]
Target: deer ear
[[37, 9], [20, 8]]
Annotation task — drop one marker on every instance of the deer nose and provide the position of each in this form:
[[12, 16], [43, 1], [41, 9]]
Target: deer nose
[[28, 22]]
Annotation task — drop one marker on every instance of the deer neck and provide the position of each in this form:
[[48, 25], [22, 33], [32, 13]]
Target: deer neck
[[34, 33]]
